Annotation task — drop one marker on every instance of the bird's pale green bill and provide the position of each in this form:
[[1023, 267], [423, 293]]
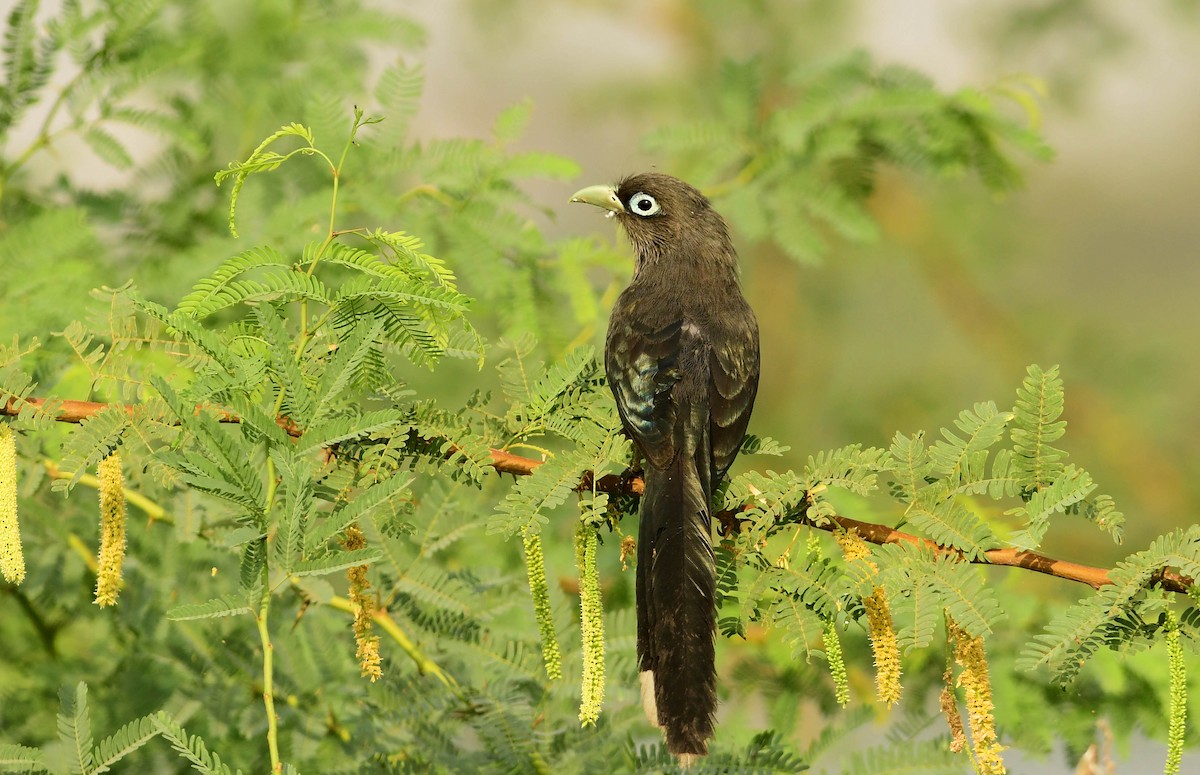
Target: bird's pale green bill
[[600, 196]]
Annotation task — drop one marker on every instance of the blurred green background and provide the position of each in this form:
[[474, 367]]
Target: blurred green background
[[1091, 264]]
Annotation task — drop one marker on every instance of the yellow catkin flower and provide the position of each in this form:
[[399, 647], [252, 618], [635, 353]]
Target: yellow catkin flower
[[837, 665], [949, 706], [977, 686], [592, 625], [367, 653], [539, 590], [883, 642], [854, 547], [12, 559], [112, 530], [1177, 709]]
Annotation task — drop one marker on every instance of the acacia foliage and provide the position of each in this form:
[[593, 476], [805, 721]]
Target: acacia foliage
[[374, 277]]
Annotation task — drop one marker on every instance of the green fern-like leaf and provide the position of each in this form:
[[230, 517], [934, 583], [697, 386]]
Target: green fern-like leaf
[[1036, 427], [254, 562], [191, 747], [211, 293], [762, 445], [419, 317], [1110, 617], [353, 351], [260, 160], [801, 627], [208, 343], [123, 742], [512, 121], [108, 148], [940, 515], [549, 486], [298, 501], [1070, 487], [95, 440], [959, 458], [850, 468], [360, 506], [1102, 510], [694, 135], [538, 164], [547, 392], [428, 584], [217, 608], [20, 758], [408, 248], [171, 127], [27, 62], [339, 429], [336, 561], [964, 595], [75, 728], [298, 400], [910, 464], [216, 462], [83, 342], [399, 92], [274, 284]]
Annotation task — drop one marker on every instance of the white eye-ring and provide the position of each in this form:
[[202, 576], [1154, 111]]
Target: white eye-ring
[[643, 204]]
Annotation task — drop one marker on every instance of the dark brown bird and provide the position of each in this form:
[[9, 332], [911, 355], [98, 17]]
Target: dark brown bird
[[682, 361]]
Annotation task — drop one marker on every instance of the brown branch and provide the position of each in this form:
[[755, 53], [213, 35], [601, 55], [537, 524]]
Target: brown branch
[[78, 411], [1017, 558], [632, 484]]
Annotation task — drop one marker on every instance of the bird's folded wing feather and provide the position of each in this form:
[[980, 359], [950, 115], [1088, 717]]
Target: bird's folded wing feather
[[642, 361], [733, 364]]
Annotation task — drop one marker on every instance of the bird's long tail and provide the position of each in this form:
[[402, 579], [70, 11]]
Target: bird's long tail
[[676, 586]]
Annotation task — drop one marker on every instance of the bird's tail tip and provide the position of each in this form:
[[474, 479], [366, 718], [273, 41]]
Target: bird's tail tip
[[649, 704]]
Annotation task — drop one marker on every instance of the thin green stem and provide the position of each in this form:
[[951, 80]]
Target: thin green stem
[[336, 170], [264, 632], [268, 682], [425, 665], [151, 509], [42, 137]]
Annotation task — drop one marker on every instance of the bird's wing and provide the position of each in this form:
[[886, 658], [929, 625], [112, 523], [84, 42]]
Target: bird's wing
[[642, 362], [733, 364]]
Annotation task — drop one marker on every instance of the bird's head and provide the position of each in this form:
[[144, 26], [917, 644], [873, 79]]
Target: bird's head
[[661, 215]]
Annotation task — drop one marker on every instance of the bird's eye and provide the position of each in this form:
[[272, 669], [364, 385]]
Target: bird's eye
[[643, 204]]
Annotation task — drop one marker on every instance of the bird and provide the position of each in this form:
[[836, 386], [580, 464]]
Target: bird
[[682, 360]]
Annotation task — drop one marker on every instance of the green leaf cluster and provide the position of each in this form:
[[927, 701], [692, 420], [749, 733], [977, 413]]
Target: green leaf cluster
[[800, 172], [396, 315]]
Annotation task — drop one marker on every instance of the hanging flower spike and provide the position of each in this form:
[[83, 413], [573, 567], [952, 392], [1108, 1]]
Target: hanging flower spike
[[970, 656], [592, 624], [539, 590], [949, 705], [1177, 710], [369, 662], [12, 559], [880, 627], [112, 530], [883, 642], [837, 665]]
